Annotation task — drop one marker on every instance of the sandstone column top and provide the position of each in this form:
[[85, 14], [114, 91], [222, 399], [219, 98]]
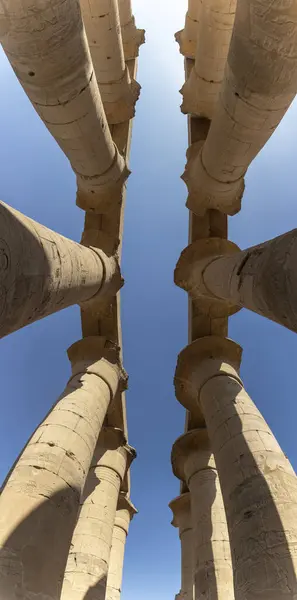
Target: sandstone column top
[[125, 513], [198, 362], [181, 509], [190, 453], [112, 438], [187, 37]]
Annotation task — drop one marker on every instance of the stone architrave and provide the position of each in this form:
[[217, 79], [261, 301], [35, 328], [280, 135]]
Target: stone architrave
[[187, 37], [40, 501], [182, 518], [259, 85], [118, 91], [87, 565], [46, 44], [259, 486], [262, 278], [201, 90], [193, 462], [42, 272], [124, 515], [131, 36]]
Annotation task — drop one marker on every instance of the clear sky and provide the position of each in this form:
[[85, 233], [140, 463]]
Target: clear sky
[[36, 179]]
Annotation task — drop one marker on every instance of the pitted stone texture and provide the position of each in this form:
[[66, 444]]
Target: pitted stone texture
[[40, 501], [259, 85], [182, 518], [193, 462], [42, 272], [46, 44], [200, 92], [187, 37], [88, 560], [124, 514], [119, 94], [131, 36]]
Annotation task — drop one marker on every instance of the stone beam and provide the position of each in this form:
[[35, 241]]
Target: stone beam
[[42, 272], [262, 278], [259, 486], [124, 515], [118, 91], [193, 462], [182, 518], [87, 565], [40, 501], [131, 36], [187, 37], [259, 85], [46, 44], [200, 92]]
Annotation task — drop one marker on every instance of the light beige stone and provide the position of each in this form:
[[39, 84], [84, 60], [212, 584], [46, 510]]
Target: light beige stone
[[182, 518], [46, 44], [42, 272], [193, 462], [259, 85], [259, 486], [131, 36], [124, 515], [187, 37], [40, 501], [200, 92], [262, 278], [87, 565], [118, 92]]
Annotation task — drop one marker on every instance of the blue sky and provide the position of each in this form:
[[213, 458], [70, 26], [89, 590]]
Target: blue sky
[[36, 179]]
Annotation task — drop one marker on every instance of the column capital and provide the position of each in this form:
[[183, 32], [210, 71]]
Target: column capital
[[201, 360], [112, 280], [181, 509], [191, 453], [113, 452], [98, 356], [189, 273], [125, 513]]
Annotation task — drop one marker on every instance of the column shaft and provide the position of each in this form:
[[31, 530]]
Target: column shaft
[[124, 514], [40, 501], [181, 508], [87, 565], [131, 36], [48, 50], [42, 272], [259, 85], [187, 37], [200, 92], [118, 92]]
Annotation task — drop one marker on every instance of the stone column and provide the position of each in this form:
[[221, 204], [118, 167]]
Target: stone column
[[182, 518], [118, 92], [46, 44], [40, 501], [258, 484], [259, 85], [262, 278], [42, 272], [87, 565], [124, 514], [131, 36], [187, 37], [201, 90], [193, 462]]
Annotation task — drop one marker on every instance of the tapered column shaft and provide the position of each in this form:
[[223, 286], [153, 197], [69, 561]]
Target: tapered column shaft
[[87, 565], [262, 278], [124, 514], [200, 92], [182, 518], [42, 272], [187, 37], [259, 486], [131, 36], [118, 92], [40, 501], [46, 44], [193, 462], [259, 85]]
